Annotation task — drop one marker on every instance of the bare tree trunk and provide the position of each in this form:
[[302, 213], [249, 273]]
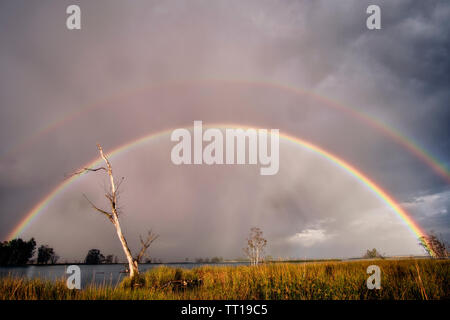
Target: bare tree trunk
[[133, 265], [113, 216]]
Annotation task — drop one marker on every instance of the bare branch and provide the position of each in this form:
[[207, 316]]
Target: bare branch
[[111, 177], [84, 170], [109, 215], [109, 197], [104, 157], [151, 237], [119, 184]]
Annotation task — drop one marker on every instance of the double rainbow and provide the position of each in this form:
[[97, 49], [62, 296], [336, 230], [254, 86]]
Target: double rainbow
[[407, 143], [351, 170]]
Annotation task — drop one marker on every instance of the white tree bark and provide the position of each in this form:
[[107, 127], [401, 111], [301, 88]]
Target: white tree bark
[[255, 246], [132, 264], [113, 216]]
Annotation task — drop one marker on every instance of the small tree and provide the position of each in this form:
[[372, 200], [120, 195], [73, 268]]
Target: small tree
[[109, 259], [145, 245], [216, 259], [94, 256], [255, 246], [46, 255], [434, 246], [372, 254], [54, 258]]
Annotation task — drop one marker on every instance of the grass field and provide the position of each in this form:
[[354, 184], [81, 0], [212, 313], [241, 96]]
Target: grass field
[[400, 279]]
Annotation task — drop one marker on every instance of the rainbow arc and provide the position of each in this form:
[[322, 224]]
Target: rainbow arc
[[359, 176]]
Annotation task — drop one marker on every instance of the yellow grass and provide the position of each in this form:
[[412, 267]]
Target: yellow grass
[[400, 279]]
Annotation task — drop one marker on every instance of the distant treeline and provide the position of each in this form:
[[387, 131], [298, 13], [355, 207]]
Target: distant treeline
[[303, 260], [17, 251], [209, 260], [20, 252], [94, 256]]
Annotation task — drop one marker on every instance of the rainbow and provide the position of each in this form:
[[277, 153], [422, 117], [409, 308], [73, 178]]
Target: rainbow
[[412, 147], [358, 175]]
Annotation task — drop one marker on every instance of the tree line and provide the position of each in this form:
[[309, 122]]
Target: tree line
[[20, 252]]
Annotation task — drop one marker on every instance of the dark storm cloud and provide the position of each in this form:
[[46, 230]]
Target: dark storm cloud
[[398, 74]]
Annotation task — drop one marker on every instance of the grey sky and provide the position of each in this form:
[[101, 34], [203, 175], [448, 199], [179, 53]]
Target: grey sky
[[145, 66]]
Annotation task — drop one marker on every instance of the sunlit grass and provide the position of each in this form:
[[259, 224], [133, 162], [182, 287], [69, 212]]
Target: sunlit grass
[[400, 279]]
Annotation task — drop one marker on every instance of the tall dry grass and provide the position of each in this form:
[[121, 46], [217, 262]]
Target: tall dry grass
[[400, 279]]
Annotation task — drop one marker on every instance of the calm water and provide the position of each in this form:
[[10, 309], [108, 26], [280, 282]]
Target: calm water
[[99, 274]]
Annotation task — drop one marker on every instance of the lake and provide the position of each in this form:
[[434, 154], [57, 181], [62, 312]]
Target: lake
[[108, 274]]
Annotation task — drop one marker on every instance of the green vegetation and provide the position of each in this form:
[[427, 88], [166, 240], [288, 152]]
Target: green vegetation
[[400, 279], [17, 251], [46, 255], [94, 257]]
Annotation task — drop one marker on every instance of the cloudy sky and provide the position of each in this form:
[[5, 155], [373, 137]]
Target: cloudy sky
[[148, 66]]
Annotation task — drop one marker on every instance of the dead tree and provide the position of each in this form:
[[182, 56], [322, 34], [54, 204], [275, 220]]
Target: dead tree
[[113, 215], [146, 244], [255, 246]]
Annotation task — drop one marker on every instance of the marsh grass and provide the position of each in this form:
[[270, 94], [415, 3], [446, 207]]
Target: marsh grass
[[400, 279]]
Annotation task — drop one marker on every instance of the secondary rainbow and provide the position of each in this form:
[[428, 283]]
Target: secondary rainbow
[[423, 155], [361, 177]]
